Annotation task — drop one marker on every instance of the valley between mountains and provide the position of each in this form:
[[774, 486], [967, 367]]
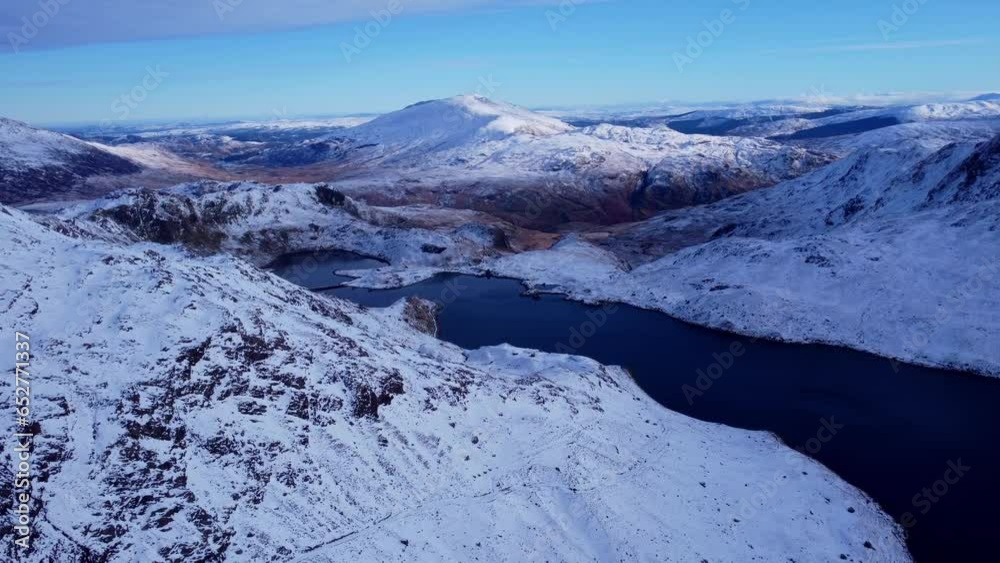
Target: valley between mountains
[[196, 407]]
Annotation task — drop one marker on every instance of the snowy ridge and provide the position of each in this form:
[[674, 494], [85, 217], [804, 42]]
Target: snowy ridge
[[36, 164], [261, 222], [931, 134], [881, 117], [980, 109], [27, 146], [201, 409]]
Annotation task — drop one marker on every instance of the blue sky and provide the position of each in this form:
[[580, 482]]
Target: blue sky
[[254, 61]]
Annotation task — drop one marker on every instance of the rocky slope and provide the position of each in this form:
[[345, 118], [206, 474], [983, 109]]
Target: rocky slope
[[199, 409], [261, 222]]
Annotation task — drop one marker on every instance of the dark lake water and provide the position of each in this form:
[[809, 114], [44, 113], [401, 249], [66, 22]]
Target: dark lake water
[[315, 269], [902, 425]]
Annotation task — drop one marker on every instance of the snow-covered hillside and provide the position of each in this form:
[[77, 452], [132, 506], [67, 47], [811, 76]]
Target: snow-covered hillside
[[851, 122], [37, 164], [890, 250], [201, 409], [826, 117]]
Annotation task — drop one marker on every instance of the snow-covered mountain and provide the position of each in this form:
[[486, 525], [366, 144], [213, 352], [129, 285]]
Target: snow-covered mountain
[[37, 164], [202, 409], [890, 250], [441, 125], [475, 153], [412, 135]]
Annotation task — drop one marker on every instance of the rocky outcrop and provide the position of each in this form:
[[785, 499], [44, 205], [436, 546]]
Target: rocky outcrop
[[421, 314]]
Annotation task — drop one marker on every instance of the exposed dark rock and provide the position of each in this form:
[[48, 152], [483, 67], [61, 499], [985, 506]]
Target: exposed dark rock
[[368, 400], [329, 197], [421, 314], [166, 221]]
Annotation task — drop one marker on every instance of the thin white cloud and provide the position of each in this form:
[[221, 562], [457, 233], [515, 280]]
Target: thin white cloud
[[883, 46], [898, 45], [96, 21], [879, 99]]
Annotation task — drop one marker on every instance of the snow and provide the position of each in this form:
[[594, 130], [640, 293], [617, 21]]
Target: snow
[[154, 132], [783, 262], [261, 222], [470, 152], [453, 121], [890, 250], [197, 407], [941, 113], [571, 263], [495, 138], [932, 134], [983, 109], [38, 165], [151, 155], [24, 146]]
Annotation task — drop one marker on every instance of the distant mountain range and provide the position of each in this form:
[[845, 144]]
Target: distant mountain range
[[472, 152]]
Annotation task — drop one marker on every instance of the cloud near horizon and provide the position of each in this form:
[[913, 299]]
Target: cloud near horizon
[[45, 24], [846, 47]]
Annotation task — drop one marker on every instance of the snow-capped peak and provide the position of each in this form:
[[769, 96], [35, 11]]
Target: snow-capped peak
[[455, 120], [509, 119]]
